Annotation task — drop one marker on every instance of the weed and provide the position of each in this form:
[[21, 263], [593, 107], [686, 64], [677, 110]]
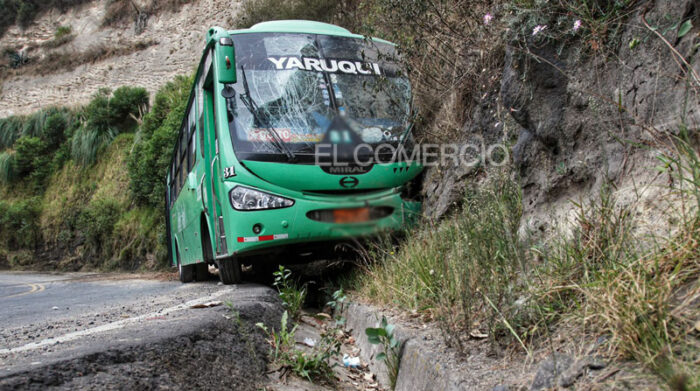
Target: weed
[[281, 341], [309, 365], [384, 336], [337, 304], [291, 294]]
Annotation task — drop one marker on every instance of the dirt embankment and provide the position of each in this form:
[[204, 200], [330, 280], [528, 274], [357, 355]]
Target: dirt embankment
[[99, 56]]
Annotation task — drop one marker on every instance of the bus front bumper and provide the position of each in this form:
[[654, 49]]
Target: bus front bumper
[[249, 232]]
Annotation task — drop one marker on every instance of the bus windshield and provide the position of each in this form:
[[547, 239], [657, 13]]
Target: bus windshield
[[305, 86]]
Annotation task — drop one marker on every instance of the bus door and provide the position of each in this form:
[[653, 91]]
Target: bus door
[[212, 179]]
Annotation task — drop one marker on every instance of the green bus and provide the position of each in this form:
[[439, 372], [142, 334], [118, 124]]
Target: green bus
[[289, 144]]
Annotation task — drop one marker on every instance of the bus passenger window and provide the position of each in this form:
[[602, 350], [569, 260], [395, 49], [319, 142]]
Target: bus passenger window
[[191, 155]]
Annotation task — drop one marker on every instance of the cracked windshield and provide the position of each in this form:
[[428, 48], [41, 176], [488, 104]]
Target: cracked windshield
[[303, 89]]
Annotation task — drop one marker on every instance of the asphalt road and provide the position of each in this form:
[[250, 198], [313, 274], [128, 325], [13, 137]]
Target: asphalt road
[[76, 330]]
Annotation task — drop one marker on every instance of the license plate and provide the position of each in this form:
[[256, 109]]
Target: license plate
[[355, 215]]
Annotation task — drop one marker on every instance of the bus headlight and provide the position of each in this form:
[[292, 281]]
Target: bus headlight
[[245, 198]]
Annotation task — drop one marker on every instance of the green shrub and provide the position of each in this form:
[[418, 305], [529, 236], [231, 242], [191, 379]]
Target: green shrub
[[150, 158], [96, 222], [99, 114], [54, 128], [28, 154], [19, 223], [62, 31], [129, 101], [104, 118]]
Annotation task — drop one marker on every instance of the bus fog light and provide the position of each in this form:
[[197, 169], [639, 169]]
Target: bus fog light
[[257, 228], [245, 198]]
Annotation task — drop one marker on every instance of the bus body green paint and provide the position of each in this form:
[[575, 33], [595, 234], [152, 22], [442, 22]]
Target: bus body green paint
[[220, 142]]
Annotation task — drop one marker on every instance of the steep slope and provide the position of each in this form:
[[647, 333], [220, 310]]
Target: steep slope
[[169, 44]]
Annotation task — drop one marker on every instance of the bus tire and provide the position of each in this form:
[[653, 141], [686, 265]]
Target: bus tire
[[201, 271], [229, 271], [186, 272]]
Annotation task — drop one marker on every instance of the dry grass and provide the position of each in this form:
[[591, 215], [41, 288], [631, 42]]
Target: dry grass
[[642, 293], [69, 59]]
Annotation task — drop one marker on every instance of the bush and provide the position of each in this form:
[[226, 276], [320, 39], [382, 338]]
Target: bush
[[129, 101], [29, 152], [150, 158], [54, 128], [96, 222], [99, 114], [19, 223], [104, 118]]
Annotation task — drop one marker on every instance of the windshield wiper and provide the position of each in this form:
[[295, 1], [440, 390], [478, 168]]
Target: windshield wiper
[[250, 104]]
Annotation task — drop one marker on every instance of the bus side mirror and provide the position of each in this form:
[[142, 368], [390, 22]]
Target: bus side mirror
[[227, 61], [192, 181]]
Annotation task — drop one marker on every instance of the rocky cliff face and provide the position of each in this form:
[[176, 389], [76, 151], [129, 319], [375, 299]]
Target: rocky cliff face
[[580, 117], [146, 52]]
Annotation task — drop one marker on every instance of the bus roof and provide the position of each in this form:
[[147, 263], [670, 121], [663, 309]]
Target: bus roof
[[302, 26]]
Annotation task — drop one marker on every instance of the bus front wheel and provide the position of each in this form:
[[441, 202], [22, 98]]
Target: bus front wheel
[[229, 271]]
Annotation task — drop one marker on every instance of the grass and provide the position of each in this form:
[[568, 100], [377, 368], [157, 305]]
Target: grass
[[451, 270], [6, 167], [472, 271]]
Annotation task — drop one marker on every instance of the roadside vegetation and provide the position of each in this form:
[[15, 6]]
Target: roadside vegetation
[[82, 187], [475, 272]]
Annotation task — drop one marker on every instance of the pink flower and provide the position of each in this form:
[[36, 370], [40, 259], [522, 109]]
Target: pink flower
[[577, 25], [538, 29], [487, 18]]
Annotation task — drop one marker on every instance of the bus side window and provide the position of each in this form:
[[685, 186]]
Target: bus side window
[[183, 157], [191, 155], [176, 178]]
